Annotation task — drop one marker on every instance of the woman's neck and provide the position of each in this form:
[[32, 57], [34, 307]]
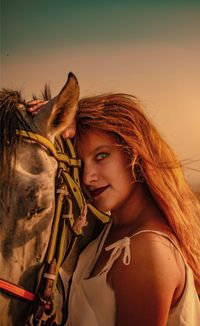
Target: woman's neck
[[137, 210]]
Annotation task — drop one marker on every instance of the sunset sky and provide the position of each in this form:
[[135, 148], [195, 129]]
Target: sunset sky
[[147, 48]]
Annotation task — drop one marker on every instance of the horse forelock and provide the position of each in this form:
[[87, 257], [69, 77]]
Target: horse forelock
[[12, 119]]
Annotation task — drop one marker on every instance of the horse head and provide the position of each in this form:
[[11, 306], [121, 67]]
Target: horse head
[[27, 189]]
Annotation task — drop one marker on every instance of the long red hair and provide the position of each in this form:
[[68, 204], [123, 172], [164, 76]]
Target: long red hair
[[123, 116]]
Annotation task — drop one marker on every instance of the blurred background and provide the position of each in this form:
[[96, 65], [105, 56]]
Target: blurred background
[[147, 48]]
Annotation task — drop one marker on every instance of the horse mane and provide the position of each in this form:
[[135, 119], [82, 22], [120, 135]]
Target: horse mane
[[10, 120]]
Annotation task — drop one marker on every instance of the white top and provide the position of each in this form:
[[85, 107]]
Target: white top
[[92, 300]]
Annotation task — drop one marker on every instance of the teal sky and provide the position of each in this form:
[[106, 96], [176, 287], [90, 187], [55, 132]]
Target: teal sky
[[34, 25]]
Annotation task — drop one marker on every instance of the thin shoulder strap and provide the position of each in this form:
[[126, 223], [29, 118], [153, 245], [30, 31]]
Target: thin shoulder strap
[[117, 248], [165, 235], [123, 245]]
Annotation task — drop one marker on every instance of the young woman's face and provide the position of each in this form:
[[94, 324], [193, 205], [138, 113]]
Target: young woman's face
[[106, 174]]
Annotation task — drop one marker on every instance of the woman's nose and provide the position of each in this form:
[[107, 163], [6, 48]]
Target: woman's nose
[[89, 176]]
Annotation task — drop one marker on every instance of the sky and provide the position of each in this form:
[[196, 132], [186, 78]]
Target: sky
[[147, 48]]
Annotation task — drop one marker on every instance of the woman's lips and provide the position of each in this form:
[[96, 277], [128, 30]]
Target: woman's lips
[[98, 191]]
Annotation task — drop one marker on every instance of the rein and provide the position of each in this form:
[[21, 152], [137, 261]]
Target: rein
[[16, 290], [68, 199]]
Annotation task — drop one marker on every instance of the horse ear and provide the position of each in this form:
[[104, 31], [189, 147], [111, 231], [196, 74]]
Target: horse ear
[[59, 113], [64, 107]]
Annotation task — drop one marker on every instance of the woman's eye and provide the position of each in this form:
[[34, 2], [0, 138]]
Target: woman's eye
[[101, 156]]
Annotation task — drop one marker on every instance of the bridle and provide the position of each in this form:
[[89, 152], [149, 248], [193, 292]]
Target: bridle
[[69, 201]]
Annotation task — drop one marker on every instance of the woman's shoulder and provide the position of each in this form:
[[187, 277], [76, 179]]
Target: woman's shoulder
[[153, 281], [154, 255], [155, 232], [155, 237], [158, 246]]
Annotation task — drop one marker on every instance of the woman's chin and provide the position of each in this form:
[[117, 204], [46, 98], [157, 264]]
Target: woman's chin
[[101, 207]]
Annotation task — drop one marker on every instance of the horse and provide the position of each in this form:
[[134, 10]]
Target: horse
[[42, 208]]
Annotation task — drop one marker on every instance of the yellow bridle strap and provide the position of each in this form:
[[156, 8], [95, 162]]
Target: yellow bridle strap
[[60, 157], [74, 188], [55, 227], [62, 248], [103, 217], [75, 172]]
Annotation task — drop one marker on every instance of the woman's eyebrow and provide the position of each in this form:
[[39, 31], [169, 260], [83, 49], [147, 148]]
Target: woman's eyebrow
[[97, 149], [102, 147]]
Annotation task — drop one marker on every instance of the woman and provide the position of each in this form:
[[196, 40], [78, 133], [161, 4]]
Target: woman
[[141, 269], [144, 268]]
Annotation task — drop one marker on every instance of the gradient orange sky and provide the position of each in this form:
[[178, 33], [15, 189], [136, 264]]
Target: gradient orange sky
[[149, 50]]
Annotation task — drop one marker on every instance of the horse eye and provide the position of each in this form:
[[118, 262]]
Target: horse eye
[[34, 213]]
